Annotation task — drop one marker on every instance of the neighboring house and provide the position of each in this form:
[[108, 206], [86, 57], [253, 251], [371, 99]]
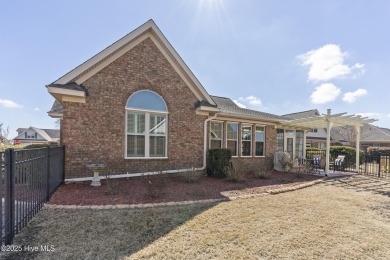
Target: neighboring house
[[370, 136], [137, 108], [315, 137], [34, 135]]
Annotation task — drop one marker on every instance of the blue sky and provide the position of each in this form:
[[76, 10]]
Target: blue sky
[[273, 56]]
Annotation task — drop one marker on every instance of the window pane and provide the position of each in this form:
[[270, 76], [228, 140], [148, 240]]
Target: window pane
[[232, 129], [158, 124], [232, 146], [260, 133], [246, 148], [135, 123], [216, 130], [157, 146], [135, 146], [214, 144], [259, 148], [246, 132], [280, 140], [146, 100]]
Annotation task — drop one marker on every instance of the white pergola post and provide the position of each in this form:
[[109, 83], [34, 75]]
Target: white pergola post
[[357, 129], [328, 128]]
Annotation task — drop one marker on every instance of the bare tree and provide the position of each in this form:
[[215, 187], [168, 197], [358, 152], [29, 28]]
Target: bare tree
[[4, 131], [345, 134]]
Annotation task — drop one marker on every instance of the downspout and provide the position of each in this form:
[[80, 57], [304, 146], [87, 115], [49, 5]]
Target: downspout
[[128, 175]]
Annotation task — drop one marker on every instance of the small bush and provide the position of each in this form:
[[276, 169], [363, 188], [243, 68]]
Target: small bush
[[154, 184], [112, 184], [350, 155], [192, 175], [218, 162], [34, 146], [264, 168], [235, 172]]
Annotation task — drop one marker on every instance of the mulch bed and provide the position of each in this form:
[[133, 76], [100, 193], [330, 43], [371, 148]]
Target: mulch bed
[[134, 190]]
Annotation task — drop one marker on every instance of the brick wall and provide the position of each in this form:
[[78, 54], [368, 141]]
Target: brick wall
[[94, 132]]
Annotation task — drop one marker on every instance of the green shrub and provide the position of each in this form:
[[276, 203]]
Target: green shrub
[[218, 162], [34, 146], [350, 155]]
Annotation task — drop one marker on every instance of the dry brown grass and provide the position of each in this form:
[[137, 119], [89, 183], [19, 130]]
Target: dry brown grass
[[339, 219]]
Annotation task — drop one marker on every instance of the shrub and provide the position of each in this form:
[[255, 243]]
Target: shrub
[[34, 146], [218, 162], [235, 172], [264, 168], [112, 184], [154, 184], [192, 175], [350, 155]]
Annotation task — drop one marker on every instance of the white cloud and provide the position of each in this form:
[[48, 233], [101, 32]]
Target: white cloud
[[249, 100], [9, 104], [327, 63], [325, 93], [37, 109], [351, 97], [239, 104], [374, 115]]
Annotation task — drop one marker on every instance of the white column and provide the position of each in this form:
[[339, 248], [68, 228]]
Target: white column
[[328, 128], [357, 129]]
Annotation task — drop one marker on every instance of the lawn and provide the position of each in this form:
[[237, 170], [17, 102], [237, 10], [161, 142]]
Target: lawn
[[344, 218]]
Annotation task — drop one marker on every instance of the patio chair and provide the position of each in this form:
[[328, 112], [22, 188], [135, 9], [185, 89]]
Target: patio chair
[[317, 164], [338, 163]]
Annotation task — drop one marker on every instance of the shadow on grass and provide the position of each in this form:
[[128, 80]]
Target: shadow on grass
[[361, 183], [99, 234]]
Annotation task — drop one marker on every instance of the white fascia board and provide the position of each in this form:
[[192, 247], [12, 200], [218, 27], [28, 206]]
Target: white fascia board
[[66, 92], [207, 108]]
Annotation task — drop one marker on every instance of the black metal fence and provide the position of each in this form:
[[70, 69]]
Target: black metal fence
[[374, 164], [29, 178]]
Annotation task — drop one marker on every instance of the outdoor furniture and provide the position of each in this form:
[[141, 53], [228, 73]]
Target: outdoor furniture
[[317, 164], [338, 163]]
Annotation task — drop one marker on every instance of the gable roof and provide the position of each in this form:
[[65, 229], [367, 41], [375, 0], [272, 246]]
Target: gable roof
[[228, 107], [148, 30], [303, 114], [51, 135], [368, 133]]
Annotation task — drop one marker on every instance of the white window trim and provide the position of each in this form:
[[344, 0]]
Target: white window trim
[[263, 141], [215, 121], [147, 133], [251, 153], [237, 141]]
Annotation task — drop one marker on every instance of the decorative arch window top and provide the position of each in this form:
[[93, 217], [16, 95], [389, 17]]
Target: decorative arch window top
[[146, 100]]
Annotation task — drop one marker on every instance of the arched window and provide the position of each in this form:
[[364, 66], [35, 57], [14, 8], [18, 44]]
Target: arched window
[[146, 125]]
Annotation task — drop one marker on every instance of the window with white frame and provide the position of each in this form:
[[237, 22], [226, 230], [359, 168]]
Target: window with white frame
[[232, 138], [280, 140], [246, 140], [216, 131], [260, 140], [146, 125]]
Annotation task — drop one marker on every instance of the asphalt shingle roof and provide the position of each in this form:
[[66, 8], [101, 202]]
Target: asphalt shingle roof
[[229, 107], [303, 114], [71, 85], [57, 108], [368, 133]]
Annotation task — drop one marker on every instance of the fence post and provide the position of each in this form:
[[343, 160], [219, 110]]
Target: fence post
[[48, 175], [9, 196], [379, 168]]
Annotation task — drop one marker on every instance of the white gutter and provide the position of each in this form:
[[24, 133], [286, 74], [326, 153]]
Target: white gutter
[[129, 175]]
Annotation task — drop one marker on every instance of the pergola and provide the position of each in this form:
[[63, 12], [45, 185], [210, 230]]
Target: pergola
[[327, 121]]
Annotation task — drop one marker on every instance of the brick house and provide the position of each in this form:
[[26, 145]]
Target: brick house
[[137, 107]]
